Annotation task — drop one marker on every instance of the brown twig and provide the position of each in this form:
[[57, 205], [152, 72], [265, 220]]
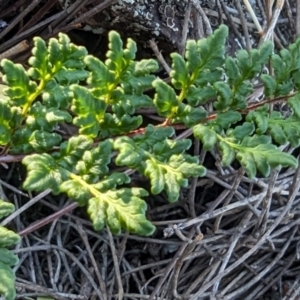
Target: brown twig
[[159, 56], [185, 28], [92, 258], [38, 16], [116, 265], [20, 16], [297, 26], [244, 25], [232, 25], [294, 190], [206, 22]]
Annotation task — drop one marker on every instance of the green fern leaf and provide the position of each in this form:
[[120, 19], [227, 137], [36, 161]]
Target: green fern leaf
[[113, 125], [160, 162], [83, 178], [261, 119], [110, 182], [286, 67], [42, 173], [212, 49], [179, 73], [247, 161], [89, 111], [264, 157], [5, 126], [130, 154], [165, 149], [100, 76], [20, 87], [76, 190], [189, 115], [57, 96], [152, 136], [165, 99], [122, 208], [269, 85], [7, 282], [228, 153], [8, 258], [294, 102], [8, 237], [39, 61], [169, 179], [145, 67], [239, 132], [42, 117], [172, 175], [207, 136], [6, 208], [227, 118], [115, 61], [283, 130], [201, 95], [225, 95], [61, 60]]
